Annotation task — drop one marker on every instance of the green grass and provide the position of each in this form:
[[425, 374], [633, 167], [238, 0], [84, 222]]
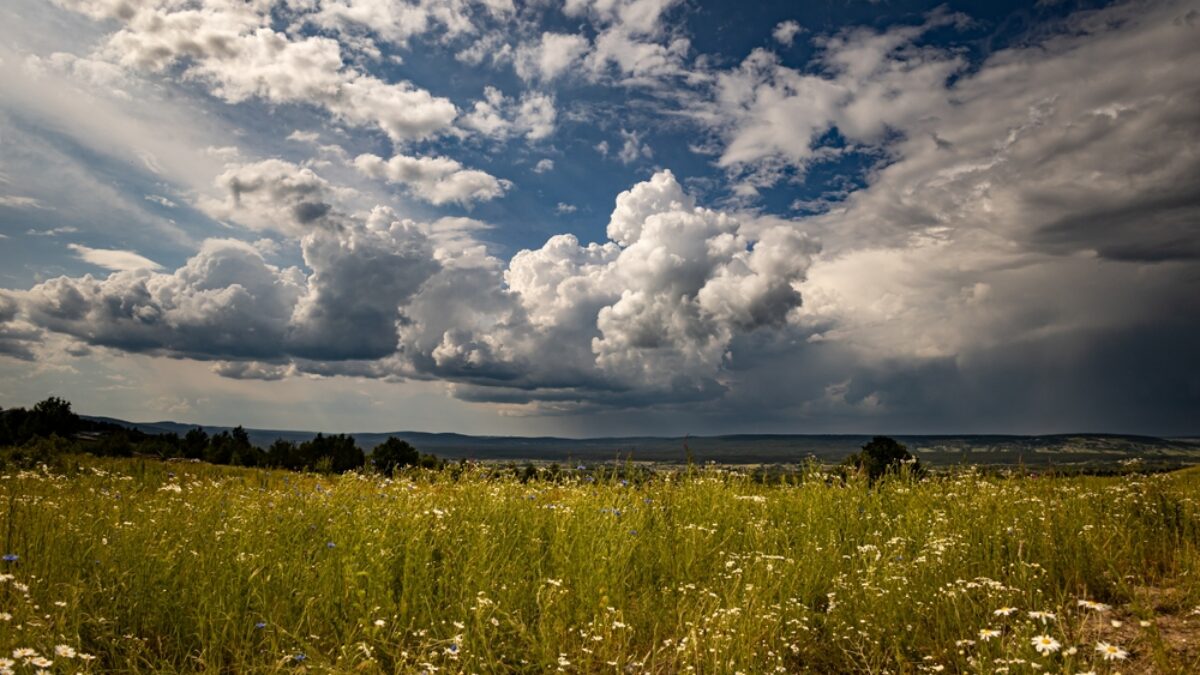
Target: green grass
[[153, 567]]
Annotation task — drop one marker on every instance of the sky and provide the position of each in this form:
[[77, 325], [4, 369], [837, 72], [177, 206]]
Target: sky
[[604, 217]]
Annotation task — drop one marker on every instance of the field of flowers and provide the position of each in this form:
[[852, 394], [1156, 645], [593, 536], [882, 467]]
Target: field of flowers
[[142, 566]]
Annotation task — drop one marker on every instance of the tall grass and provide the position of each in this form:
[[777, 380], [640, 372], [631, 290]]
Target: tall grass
[[154, 567]]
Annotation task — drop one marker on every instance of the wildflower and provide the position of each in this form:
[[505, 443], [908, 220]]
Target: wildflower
[[1117, 624], [260, 625], [41, 662], [24, 653], [1144, 624], [1005, 611], [10, 557], [330, 544], [300, 657], [1043, 616], [1097, 606], [1045, 644], [380, 623], [65, 651], [5, 616], [986, 634], [7, 663], [1111, 652]]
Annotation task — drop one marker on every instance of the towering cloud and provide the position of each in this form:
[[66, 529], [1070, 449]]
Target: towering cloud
[[656, 309]]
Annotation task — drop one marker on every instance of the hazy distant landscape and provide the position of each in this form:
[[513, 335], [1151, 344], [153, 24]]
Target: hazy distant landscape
[[1034, 451]]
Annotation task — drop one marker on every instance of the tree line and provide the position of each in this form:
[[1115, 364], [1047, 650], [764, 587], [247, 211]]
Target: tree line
[[50, 429]]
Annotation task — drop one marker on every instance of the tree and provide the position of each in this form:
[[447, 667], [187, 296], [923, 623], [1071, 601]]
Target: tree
[[54, 416], [881, 456], [240, 437], [220, 449], [336, 453], [345, 455], [283, 455], [195, 443], [393, 454]]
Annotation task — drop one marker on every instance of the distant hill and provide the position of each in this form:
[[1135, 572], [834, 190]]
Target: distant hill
[[1058, 449]]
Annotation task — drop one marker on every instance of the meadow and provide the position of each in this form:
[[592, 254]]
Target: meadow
[[132, 565]]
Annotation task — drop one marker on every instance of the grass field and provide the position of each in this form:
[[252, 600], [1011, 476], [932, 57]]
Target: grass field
[[142, 566]]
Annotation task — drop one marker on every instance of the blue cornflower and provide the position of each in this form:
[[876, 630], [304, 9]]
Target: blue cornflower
[[260, 625], [330, 544], [454, 649], [581, 467], [300, 657], [11, 557]]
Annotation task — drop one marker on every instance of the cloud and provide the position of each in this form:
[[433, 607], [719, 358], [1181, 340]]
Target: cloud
[[632, 148], [52, 232], [162, 201], [437, 180], [772, 116], [226, 301], [786, 31], [114, 259], [565, 208], [304, 136], [361, 278], [655, 309], [552, 56], [1028, 222], [252, 370], [543, 165], [393, 22], [19, 202], [233, 49], [17, 338], [272, 194], [498, 116], [536, 115]]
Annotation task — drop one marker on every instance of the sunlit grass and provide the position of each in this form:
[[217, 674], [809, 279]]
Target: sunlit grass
[[167, 567]]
